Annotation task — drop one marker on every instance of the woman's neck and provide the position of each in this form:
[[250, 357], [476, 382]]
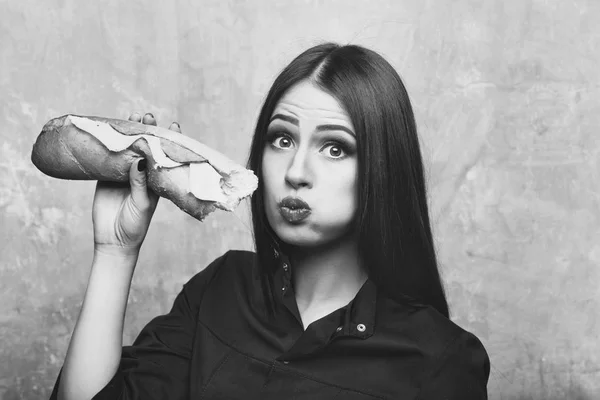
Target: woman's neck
[[326, 276]]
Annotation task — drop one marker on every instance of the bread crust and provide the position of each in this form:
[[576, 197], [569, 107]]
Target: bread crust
[[63, 150]]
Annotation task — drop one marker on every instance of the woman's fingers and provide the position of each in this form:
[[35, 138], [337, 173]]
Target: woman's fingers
[[149, 119], [144, 198], [137, 181], [175, 127], [135, 117]]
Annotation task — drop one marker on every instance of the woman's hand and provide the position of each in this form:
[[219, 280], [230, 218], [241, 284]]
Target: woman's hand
[[122, 212]]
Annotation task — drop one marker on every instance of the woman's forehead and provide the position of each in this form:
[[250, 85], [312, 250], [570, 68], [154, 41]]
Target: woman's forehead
[[305, 101]]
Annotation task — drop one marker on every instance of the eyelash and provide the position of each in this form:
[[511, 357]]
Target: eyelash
[[271, 137]]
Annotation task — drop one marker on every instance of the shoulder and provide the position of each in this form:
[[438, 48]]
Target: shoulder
[[452, 358], [450, 343], [419, 322], [459, 368]]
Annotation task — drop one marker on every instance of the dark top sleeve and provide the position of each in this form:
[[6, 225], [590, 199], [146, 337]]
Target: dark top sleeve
[[462, 372], [156, 366]]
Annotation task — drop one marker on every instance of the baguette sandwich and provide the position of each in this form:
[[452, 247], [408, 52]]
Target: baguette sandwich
[[195, 177]]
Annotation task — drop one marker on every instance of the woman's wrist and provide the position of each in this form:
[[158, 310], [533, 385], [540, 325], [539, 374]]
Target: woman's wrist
[[116, 253]]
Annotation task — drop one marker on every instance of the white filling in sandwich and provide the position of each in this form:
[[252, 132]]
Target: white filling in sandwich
[[204, 181]]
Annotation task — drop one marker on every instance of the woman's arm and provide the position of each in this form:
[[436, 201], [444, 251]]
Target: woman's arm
[[95, 349], [156, 366], [121, 216]]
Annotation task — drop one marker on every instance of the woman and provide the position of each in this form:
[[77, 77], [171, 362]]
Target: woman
[[342, 298]]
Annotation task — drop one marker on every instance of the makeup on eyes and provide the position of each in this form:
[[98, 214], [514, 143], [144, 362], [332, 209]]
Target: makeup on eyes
[[325, 139], [341, 140], [275, 133]]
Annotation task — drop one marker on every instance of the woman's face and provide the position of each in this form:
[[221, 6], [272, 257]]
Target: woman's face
[[310, 168]]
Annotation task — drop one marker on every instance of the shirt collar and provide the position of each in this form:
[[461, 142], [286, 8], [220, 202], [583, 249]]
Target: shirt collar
[[359, 316]]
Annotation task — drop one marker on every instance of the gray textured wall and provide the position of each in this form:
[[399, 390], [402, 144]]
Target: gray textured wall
[[507, 101]]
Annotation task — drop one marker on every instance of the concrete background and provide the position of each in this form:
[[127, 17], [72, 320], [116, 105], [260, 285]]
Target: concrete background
[[507, 100]]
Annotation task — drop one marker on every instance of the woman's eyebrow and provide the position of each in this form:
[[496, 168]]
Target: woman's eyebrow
[[333, 127], [285, 118], [320, 128]]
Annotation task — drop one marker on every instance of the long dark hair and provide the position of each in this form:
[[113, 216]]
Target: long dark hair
[[395, 242]]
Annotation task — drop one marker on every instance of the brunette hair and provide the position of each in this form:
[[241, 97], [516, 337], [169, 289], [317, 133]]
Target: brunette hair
[[392, 222]]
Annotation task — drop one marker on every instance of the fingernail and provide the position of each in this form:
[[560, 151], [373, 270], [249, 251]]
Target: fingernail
[[142, 164], [150, 114], [177, 123]]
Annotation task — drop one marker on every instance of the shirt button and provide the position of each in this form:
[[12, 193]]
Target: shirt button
[[339, 328], [285, 267], [361, 327]]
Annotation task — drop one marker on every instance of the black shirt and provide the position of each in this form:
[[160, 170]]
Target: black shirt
[[217, 342]]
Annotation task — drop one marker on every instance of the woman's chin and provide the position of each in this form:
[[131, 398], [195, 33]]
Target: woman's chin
[[307, 234], [307, 239], [296, 240]]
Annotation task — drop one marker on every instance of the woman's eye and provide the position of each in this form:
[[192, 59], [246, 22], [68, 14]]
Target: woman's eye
[[282, 142], [335, 151]]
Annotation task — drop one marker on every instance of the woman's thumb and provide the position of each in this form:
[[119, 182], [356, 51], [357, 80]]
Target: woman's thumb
[[137, 181]]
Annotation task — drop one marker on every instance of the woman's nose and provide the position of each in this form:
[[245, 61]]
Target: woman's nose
[[298, 174]]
